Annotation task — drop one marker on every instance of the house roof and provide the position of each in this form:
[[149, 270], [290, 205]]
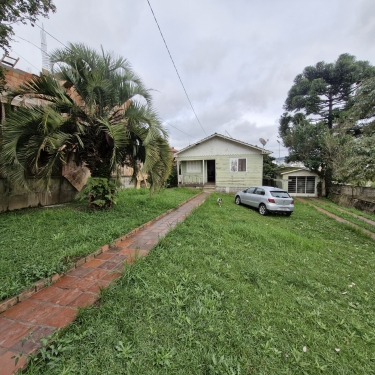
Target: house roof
[[288, 170], [226, 138]]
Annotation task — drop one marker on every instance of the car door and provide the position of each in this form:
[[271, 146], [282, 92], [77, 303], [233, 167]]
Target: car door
[[245, 196], [257, 197], [252, 196]]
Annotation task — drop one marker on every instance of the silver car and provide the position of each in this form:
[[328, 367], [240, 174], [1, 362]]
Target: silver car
[[266, 199]]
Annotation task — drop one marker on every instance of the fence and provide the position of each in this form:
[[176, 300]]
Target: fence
[[13, 198], [362, 198]]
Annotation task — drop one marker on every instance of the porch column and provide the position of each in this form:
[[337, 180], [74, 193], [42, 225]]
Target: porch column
[[178, 173], [203, 172]]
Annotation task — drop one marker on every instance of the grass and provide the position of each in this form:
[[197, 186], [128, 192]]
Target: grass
[[370, 216], [346, 214], [231, 292], [36, 243]]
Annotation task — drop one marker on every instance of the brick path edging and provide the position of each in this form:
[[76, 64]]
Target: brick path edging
[[41, 284]]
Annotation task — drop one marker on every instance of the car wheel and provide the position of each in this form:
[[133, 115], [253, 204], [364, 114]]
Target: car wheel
[[237, 200], [263, 210]]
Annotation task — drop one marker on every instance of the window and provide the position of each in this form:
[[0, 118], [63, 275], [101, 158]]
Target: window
[[301, 184], [250, 190], [310, 185], [280, 194], [237, 165], [194, 166], [260, 191]]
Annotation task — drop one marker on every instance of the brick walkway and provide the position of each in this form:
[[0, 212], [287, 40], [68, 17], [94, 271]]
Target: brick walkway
[[22, 326]]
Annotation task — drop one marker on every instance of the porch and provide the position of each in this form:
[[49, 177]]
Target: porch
[[197, 173]]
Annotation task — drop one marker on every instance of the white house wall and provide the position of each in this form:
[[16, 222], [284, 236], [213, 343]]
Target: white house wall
[[216, 146], [302, 173]]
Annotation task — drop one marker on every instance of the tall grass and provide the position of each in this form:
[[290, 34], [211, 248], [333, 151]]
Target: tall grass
[[232, 292]]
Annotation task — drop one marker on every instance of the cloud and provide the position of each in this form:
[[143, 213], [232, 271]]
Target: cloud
[[237, 59]]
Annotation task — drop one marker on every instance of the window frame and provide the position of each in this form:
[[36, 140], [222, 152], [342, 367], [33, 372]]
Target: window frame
[[305, 183], [234, 164]]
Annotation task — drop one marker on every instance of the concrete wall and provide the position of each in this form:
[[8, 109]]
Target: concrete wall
[[13, 198], [366, 193], [127, 183]]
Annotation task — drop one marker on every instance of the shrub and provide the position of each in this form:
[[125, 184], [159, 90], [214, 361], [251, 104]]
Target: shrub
[[100, 192]]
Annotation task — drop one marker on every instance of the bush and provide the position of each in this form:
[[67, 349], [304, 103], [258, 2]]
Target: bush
[[172, 180], [100, 192]]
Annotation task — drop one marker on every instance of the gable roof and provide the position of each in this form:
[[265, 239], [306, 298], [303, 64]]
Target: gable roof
[[288, 170], [225, 138]]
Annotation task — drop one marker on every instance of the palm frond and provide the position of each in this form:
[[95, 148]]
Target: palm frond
[[95, 106]]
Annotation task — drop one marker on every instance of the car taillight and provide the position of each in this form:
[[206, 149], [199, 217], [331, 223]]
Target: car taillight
[[292, 201], [271, 200]]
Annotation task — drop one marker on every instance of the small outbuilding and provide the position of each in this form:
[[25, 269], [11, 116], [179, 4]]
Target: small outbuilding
[[297, 181], [220, 163]]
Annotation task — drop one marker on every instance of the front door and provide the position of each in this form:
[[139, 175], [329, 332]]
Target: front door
[[211, 172]]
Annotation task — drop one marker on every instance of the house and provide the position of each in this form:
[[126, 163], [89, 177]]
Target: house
[[222, 163], [298, 181]]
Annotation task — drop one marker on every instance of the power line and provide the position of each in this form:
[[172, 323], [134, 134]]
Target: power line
[[179, 130], [52, 36], [23, 58], [166, 46], [28, 41]]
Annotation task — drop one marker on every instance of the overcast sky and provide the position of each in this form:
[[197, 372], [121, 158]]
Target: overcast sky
[[236, 58]]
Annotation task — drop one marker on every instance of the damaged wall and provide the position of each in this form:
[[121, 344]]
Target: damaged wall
[[13, 198]]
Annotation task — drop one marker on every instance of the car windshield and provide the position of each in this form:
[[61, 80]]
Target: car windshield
[[280, 194]]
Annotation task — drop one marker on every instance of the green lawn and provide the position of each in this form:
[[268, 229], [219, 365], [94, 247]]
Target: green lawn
[[231, 292], [38, 242], [346, 213]]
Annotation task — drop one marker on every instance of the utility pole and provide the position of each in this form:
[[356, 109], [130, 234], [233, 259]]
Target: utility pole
[[279, 147]]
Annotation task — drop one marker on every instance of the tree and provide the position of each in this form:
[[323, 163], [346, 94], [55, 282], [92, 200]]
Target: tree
[[306, 142], [2, 79], [357, 162], [20, 11], [96, 111], [360, 120], [317, 102], [324, 91], [357, 167], [269, 167]]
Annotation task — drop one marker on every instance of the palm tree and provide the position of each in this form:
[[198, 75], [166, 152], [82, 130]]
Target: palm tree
[[92, 109]]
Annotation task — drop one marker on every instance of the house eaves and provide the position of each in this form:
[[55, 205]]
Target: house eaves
[[267, 152], [293, 170]]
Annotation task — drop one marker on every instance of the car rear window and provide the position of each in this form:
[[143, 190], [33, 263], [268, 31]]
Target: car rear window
[[280, 194]]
